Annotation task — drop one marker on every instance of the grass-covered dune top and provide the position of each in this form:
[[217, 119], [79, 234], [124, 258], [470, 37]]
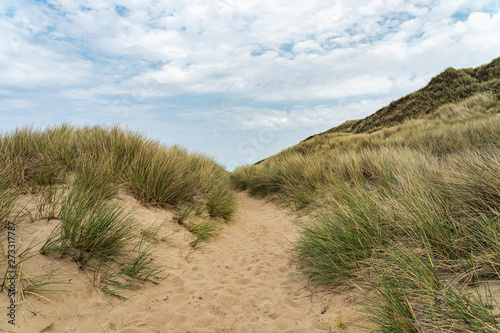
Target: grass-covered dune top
[[451, 86], [73, 175], [407, 211], [101, 159]]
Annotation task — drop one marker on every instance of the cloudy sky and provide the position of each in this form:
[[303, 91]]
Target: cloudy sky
[[236, 79]]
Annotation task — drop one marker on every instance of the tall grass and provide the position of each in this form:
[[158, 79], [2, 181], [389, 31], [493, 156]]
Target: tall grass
[[173, 176], [311, 164], [8, 193], [90, 229], [447, 210], [97, 176], [162, 177], [155, 174], [221, 201], [410, 293], [341, 238]]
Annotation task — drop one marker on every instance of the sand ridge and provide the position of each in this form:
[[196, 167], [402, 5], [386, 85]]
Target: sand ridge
[[241, 281]]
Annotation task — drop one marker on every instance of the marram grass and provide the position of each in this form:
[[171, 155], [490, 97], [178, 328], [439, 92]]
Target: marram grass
[[75, 174], [89, 229], [105, 158]]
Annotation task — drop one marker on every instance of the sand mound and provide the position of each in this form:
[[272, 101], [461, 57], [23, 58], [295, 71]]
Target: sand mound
[[241, 281]]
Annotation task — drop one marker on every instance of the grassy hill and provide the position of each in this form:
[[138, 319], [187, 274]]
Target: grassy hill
[[451, 86], [74, 174], [404, 205]]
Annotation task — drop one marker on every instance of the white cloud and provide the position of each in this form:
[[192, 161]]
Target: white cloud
[[320, 117], [244, 64], [205, 47]]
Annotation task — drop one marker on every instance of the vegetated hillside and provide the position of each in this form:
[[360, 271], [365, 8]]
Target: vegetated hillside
[[405, 205], [451, 86], [74, 174]]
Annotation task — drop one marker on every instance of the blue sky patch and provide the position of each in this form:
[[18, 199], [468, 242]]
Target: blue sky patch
[[287, 47], [122, 11], [11, 12], [461, 15], [259, 50]]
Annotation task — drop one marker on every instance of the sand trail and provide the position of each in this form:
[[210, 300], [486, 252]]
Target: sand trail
[[241, 281]]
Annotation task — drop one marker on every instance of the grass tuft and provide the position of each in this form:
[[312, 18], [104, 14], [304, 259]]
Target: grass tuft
[[202, 231], [90, 230]]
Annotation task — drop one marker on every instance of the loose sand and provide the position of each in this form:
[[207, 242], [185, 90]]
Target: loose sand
[[243, 280]]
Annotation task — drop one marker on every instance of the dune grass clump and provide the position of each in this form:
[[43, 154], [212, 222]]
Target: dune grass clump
[[97, 177], [8, 193], [184, 212], [38, 158], [90, 229], [116, 145], [475, 179], [443, 210], [99, 235], [162, 177], [202, 230], [221, 202], [139, 266], [482, 103], [341, 238], [445, 214], [410, 293]]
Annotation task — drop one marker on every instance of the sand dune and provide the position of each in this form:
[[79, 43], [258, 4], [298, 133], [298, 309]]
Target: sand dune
[[241, 281]]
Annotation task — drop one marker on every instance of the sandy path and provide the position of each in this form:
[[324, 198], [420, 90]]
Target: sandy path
[[241, 281]]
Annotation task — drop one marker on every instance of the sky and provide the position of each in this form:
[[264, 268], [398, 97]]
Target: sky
[[237, 80]]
